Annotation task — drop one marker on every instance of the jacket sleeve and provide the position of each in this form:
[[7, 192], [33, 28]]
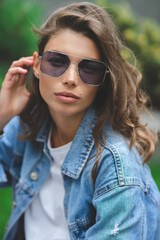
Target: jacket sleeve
[[120, 200], [7, 140], [120, 214]]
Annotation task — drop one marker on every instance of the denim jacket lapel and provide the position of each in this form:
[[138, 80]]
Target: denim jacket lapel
[[81, 147]]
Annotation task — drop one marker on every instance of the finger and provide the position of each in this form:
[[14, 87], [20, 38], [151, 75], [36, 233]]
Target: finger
[[23, 62], [21, 79], [15, 71], [18, 79]]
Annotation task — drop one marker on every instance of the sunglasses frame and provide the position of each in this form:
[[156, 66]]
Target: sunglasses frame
[[70, 55]]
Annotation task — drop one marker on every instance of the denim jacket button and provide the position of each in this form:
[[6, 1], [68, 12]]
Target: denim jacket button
[[34, 176]]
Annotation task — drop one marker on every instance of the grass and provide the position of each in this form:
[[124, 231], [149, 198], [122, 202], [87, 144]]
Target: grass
[[155, 170], [5, 198], [5, 208]]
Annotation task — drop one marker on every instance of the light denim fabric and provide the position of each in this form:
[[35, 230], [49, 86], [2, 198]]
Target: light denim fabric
[[124, 203]]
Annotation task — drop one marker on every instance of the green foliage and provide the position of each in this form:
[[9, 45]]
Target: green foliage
[[16, 37], [142, 36], [5, 208]]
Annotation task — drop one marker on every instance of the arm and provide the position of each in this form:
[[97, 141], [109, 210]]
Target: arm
[[120, 215], [13, 94], [13, 98], [7, 143], [119, 198]]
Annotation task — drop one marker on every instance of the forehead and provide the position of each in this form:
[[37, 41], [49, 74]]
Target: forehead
[[73, 43]]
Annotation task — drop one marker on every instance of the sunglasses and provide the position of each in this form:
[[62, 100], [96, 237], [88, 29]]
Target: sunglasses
[[91, 72]]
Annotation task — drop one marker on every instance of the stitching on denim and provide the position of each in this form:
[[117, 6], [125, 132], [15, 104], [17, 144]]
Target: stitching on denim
[[149, 195], [83, 158], [85, 154], [21, 186], [147, 183], [115, 184], [143, 218], [147, 191], [118, 164], [81, 223]]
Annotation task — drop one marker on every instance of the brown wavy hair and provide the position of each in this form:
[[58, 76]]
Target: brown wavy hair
[[120, 101]]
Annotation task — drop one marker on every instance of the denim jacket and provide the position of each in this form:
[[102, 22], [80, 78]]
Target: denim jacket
[[123, 204]]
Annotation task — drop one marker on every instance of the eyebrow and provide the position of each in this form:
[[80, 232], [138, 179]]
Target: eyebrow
[[72, 55]]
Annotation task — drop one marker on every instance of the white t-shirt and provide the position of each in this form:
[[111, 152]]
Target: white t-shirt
[[45, 218]]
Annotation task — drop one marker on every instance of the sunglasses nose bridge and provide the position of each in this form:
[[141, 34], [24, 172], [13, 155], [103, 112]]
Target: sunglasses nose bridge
[[73, 73], [74, 64], [77, 66]]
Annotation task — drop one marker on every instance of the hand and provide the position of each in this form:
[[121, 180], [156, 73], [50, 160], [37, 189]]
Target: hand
[[14, 95]]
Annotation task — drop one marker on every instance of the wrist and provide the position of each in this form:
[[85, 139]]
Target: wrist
[[4, 119]]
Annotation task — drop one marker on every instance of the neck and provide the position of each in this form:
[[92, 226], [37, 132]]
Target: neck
[[64, 130]]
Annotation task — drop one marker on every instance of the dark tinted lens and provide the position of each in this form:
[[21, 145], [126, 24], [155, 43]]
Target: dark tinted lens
[[92, 72], [54, 64]]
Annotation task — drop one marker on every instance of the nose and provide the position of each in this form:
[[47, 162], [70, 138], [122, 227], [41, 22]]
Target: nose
[[71, 75]]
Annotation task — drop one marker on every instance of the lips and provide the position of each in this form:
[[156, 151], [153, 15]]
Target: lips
[[67, 94], [66, 97]]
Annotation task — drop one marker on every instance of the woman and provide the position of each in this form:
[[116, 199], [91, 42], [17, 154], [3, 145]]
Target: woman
[[75, 150]]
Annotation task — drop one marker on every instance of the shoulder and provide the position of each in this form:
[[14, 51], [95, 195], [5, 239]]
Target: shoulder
[[13, 124], [119, 146], [119, 165], [13, 128], [10, 141]]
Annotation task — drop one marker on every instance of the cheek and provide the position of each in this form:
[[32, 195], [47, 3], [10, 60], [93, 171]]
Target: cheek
[[91, 94], [44, 88]]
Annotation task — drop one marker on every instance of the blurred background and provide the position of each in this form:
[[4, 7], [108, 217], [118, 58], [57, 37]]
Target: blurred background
[[139, 24]]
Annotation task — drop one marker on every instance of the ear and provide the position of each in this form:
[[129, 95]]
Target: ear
[[36, 65]]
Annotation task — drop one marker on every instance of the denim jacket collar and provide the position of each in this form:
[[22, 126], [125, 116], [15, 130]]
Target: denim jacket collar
[[42, 135], [81, 146]]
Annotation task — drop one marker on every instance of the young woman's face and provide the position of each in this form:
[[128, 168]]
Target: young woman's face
[[68, 95]]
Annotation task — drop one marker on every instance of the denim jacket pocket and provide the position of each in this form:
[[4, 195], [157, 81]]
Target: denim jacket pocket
[[79, 228]]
